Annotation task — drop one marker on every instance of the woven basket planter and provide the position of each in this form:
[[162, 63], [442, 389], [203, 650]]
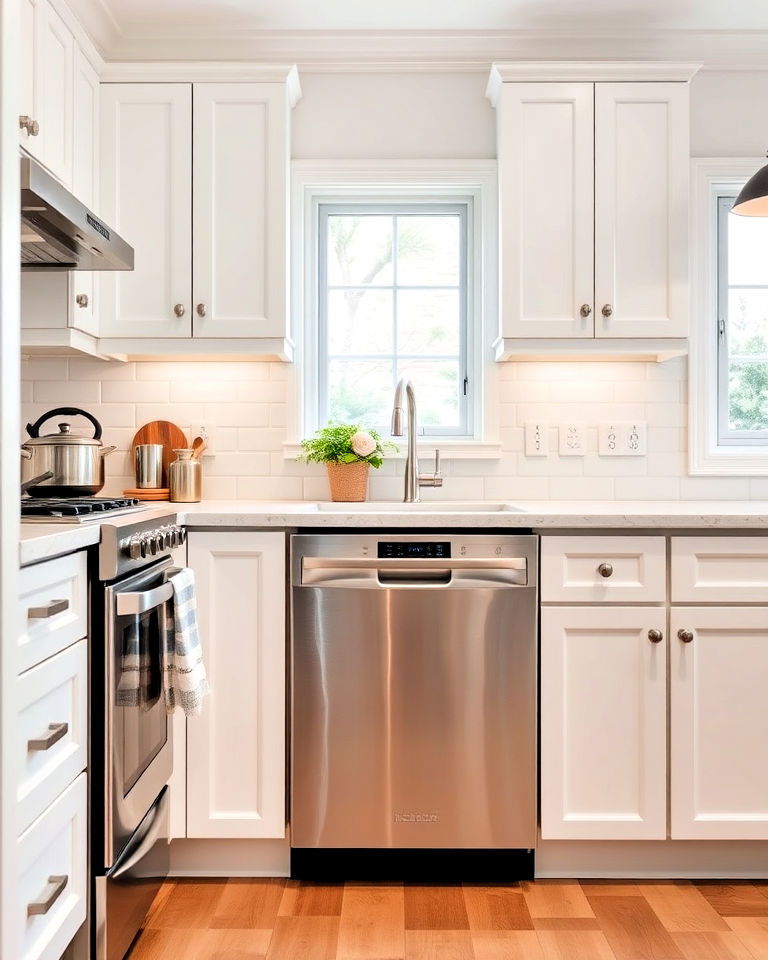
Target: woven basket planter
[[349, 481]]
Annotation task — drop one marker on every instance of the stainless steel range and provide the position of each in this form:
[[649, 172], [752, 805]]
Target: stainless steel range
[[131, 740]]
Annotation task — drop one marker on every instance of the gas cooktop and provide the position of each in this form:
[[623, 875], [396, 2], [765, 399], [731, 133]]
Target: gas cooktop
[[57, 510]]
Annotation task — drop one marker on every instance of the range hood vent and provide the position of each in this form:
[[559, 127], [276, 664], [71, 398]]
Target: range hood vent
[[58, 232]]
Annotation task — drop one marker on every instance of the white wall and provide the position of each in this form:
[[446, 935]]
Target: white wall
[[423, 115]]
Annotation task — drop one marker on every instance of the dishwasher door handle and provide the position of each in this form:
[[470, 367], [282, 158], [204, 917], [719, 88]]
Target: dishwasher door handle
[[438, 572]]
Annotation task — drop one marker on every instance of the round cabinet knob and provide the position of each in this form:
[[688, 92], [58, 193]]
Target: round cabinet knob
[[685, 635], [82, 299], [201, 310], [605, 570], [179, 309], [655, 636], [585, 310], [607, 310]]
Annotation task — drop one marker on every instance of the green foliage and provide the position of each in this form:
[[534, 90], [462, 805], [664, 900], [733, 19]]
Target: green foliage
[[333, 444], [748, 396]]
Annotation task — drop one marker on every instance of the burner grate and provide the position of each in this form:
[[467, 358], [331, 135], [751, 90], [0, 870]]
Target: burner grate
[[88, 506]]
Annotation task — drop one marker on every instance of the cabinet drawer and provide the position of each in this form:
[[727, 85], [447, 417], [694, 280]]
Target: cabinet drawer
[[51, 733], [49, 899], [603, 569], [720, 569], [53, 608]]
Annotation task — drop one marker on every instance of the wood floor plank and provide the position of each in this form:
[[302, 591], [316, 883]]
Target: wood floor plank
[[231, 945], [304, 938], [438, 945], [506, 945], [248, 904], [681, 908], [435, 907], [190, 905], [633, 930], [319, 900], [372, 925], [610, 888], [167, 944], [556, 898], [163, 894], [289, 898], [496, 908], [734, 899], [574, 945], [753, 933], [712, 946], [566, 923]]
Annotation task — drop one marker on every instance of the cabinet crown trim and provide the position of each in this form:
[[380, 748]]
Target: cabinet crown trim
[[574, 71], [142, 71]]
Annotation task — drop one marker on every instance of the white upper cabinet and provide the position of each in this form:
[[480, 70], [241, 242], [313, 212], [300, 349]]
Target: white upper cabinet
[[593, 184], [56, 72], [240, 175], [545, 149], [719, 742], [30, 15], [146, 182], [641, 209]]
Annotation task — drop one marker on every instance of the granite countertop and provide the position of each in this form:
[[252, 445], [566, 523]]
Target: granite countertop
[[42, 541]]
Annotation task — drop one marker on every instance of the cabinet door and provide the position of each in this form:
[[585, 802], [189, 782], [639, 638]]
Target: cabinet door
[[84, 174], [641, 209], [55, 67], [546, 169], [29, 61], [719, 728], [146, 182], [236, 747], [240, 209], [603, 724]]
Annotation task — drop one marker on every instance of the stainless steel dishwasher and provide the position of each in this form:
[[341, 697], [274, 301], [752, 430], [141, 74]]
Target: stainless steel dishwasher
[[413, 706]]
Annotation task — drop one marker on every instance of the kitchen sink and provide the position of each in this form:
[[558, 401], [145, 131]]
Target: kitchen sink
[[428, 506]]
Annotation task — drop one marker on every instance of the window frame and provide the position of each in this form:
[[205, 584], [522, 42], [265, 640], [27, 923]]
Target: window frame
[[454, 204], [324, 181], [709, 454]]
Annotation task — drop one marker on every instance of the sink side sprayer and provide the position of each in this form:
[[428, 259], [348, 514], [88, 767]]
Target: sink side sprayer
[[413, 480]]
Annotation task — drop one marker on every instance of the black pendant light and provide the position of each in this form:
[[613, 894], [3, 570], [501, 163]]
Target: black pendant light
[[753, 199]]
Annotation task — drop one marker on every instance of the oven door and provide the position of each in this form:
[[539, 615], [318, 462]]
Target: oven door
[[138, 746]]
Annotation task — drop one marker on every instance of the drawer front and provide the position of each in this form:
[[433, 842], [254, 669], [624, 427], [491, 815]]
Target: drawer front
[[53, 608], [720, 569], [603, 569], [51, 732], [49, 899]]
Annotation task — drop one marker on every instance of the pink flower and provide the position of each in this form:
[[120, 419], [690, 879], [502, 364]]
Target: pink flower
[[363, 443]]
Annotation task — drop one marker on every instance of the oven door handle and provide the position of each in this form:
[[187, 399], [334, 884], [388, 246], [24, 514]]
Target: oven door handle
[[134, 603], [143, 840]]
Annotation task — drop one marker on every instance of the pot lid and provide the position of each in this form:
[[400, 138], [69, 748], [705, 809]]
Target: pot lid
[[64, 436]]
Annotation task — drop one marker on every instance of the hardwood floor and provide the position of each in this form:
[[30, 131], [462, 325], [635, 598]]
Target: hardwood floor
[[546, 920]]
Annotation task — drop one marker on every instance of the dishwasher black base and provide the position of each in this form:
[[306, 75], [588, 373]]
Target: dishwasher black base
[[419, 866]]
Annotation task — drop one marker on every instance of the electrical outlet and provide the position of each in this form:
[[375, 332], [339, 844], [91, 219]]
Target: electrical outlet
[[571, 439], [208, 432], [536, 439], [622, 439]]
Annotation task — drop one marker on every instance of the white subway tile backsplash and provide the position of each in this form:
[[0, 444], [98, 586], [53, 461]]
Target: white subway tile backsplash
[[66, 393], [126, 391], [647, 488]]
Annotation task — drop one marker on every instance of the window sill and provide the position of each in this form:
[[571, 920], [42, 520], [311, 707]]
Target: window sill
[[449, 449], [731, 461]]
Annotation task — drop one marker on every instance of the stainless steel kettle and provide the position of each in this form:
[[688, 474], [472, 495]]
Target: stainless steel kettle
[[76, 463]]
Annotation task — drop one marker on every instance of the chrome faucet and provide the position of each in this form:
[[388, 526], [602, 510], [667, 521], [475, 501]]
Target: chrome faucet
[[413, 479]]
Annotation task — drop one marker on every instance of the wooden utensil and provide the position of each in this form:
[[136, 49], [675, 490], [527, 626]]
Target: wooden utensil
[[199, 446], [165, 432]]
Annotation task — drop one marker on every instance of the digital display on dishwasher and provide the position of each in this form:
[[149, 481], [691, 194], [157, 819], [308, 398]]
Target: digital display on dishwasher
[[400, 549]]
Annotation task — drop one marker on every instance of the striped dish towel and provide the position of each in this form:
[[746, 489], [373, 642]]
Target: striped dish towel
[[134, 669], [184, 680]]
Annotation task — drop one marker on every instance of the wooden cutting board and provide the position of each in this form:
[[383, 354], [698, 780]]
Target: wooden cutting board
[[165, 432]]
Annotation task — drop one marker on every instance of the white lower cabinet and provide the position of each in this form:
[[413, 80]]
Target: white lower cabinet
[[236, 747], [719, 723], [603, 723]]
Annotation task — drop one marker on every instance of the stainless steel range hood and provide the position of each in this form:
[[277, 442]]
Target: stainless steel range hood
[[58, 232]]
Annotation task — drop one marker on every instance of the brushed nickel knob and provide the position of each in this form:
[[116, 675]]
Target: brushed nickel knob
[[605, 570], [585, 310], [31, 126], [607, 310], [201, 311], [82, 299], [179, 309], [685, 635], [655, 636]]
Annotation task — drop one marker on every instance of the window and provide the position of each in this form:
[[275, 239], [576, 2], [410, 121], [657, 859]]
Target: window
[[393, 302], [742, 326]]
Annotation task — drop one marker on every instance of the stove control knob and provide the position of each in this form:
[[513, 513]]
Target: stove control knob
[[165, 536], [174, 537], [182, 536], [134, 548], [143, 547], [152, 544], [161, 536]]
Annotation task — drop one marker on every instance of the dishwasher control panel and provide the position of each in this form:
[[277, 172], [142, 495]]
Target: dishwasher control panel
[[409, 549]]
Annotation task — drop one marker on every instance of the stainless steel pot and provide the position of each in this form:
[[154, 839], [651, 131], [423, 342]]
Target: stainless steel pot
[[76, 463]]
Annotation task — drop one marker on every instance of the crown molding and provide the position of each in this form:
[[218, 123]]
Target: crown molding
[[193, 72]]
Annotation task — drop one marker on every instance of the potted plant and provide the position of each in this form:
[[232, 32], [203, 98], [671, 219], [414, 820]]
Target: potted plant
[[348, 452]]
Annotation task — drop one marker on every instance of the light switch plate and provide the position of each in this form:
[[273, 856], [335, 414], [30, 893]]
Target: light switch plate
[[622, 439], [571, 439], [536, 439]]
